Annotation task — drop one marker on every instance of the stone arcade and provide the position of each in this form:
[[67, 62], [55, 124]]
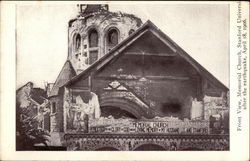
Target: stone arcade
[[151, 95]]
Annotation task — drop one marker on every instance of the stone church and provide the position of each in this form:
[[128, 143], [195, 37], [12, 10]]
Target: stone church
[[146, 92]]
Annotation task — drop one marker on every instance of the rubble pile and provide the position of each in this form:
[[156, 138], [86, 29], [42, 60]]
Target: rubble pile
[[214, 106]]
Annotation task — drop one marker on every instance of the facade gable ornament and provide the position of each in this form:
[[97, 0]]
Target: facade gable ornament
[[115, 85]]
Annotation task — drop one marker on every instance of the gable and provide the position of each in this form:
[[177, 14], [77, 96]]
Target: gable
[[65, 75], [149, 44], [137, 65], [147, 56], [154, 43]]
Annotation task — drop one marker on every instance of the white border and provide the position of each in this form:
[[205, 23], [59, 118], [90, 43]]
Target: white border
[[239, 141]]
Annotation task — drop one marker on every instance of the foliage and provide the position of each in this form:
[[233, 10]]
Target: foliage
[[28, 124], [29, 132]]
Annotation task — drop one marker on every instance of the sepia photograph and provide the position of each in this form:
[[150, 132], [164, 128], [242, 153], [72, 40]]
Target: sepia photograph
[[115, 77], [124, 80]]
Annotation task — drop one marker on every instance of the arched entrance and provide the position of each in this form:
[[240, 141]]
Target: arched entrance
[[149, 147], [116, 112], [122, 106], [107, 149]]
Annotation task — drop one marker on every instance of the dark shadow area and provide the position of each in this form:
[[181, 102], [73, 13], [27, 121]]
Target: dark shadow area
[[116, 112], [149, 147], [107, 149], [171, 106], [50, 148]]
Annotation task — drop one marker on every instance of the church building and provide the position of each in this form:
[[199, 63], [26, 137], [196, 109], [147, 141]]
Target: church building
[[127, 86]]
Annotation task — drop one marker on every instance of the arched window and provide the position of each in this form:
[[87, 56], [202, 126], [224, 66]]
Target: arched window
[[93, 44], [77, 42], [53, 108], [93, 38], [112, 37]]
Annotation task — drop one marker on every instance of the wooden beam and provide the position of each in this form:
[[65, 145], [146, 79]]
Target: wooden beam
[[167, 77], [138, 77], [116, 77], [150, 54]]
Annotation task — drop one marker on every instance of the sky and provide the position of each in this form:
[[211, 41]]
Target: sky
[[202, 30]]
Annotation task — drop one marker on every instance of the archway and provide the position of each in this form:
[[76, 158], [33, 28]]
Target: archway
[[107, 149], [149, 147], [125, 105], [116, 112]]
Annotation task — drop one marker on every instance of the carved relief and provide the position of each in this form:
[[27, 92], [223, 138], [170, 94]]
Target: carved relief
[[141, 89], [115, 85], [125, 95], [129, 144]]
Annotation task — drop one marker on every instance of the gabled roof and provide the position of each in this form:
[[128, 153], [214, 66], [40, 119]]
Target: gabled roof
[[66, 73], [147, 27]]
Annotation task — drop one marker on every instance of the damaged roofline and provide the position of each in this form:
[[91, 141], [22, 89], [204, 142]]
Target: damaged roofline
[[148, 24], [105, 12]]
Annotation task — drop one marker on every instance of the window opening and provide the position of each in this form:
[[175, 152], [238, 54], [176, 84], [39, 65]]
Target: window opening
[[112, 37], [93, 38], [77, 42], [53, 110]]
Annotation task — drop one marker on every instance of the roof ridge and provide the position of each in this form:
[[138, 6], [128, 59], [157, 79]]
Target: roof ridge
[[56, 81]]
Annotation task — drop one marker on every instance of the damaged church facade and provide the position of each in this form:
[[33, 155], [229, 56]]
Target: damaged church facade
[[127, 86]]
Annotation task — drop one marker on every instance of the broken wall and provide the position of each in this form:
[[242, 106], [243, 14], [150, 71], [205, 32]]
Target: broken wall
[[56, 118], [215, 106], [101, 22]]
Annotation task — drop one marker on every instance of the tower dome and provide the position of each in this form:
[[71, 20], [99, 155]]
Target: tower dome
[[95, 31]]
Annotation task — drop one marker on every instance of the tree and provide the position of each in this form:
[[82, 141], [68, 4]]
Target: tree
[[28, 131]]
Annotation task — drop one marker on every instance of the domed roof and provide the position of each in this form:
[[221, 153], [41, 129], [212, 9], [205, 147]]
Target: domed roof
[[87, 11]]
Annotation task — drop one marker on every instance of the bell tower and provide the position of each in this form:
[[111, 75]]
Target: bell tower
[[95, 31]]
